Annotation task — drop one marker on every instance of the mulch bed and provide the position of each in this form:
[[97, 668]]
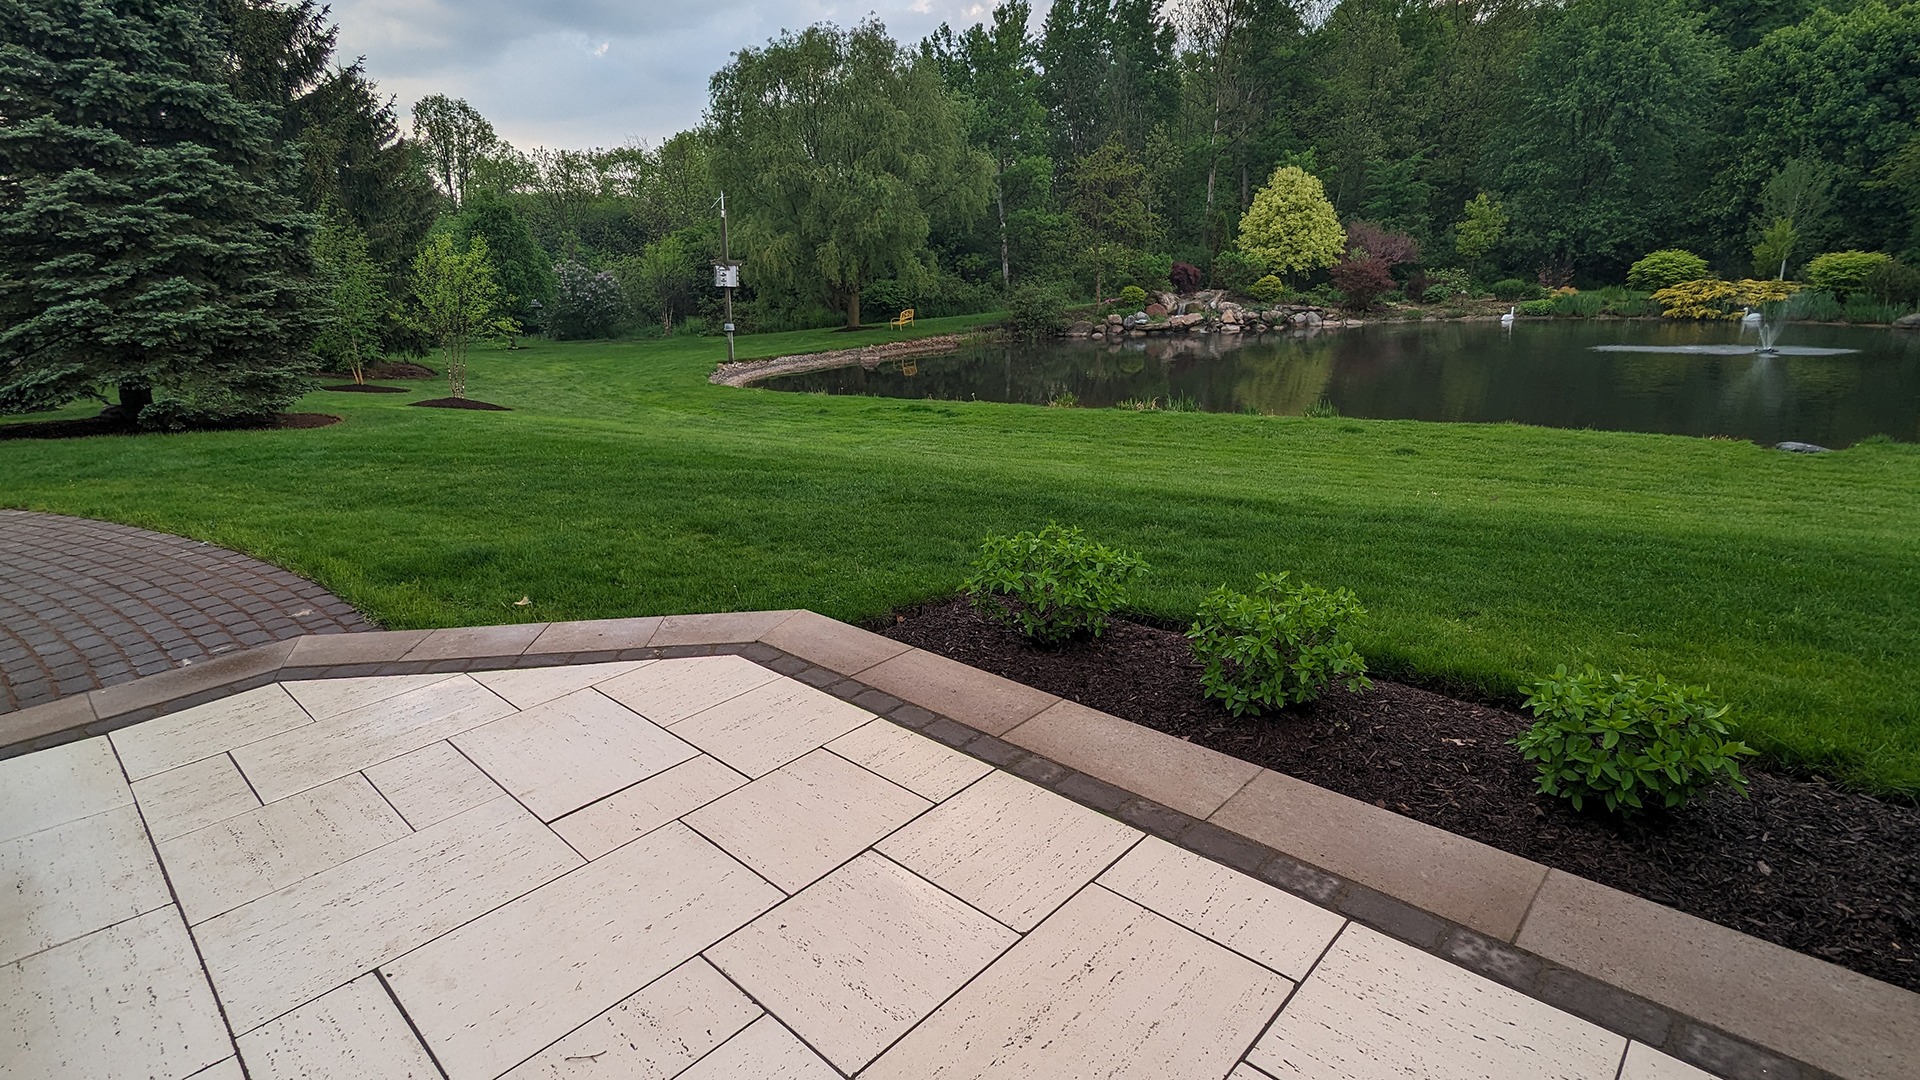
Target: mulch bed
[[99, 425], [460, 403], [1799, 863], [368, 388]]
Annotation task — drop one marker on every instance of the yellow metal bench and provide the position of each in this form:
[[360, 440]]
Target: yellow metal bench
[[905, 318]]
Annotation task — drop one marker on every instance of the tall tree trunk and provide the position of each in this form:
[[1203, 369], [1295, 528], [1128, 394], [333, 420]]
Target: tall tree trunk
[[853, 308], [1000, 200]]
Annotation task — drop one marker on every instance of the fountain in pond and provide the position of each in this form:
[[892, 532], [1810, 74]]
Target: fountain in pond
[[1772, 320]]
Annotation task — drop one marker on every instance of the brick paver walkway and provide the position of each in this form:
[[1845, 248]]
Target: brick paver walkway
[[86, 604]]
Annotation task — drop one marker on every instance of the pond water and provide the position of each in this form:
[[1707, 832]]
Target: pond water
[[1668, 377]]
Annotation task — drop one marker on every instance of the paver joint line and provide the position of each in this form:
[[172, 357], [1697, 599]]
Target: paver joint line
[[1704, 1044]]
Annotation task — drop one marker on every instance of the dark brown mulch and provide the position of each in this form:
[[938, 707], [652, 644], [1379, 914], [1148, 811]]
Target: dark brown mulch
[[102, 425], [368, 388], [460, 403], [1800, 863]]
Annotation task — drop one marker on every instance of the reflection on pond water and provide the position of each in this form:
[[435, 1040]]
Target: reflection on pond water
[[1679, 378]]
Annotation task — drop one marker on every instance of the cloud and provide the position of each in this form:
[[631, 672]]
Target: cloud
[[580, 73]]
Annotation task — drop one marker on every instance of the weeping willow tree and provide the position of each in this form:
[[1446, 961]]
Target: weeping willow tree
[[841, 153]]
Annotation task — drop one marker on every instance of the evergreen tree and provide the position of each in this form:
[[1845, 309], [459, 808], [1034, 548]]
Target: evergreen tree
[[149, 235], [1291, 226]]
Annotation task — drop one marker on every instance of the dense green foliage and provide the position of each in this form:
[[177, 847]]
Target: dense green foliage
[[1053, 584], [1627, 742], [150, 237], [624, 484], [1664, 268], [457, 301], [1845, 272], [1281, 645]]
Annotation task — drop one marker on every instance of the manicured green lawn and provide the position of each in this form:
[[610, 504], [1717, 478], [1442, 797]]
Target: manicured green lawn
[[624, 484]]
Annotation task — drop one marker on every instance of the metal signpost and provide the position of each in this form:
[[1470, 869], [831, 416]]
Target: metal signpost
[[726, 275]]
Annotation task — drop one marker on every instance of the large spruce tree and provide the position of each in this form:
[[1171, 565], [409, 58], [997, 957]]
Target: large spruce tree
[[150, 241]]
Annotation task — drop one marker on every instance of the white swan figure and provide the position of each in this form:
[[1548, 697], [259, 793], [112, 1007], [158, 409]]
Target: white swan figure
[[1749, 317], [1507, 319]]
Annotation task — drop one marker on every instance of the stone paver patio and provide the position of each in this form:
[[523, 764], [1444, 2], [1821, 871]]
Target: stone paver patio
[[86, 604], [688, 866]]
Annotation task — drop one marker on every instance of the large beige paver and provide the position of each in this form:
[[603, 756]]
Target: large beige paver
[[1645, 1063], [573, 750], [1104, 988], [1172, 772], [288, 947], [653, 1035], [1009, 848], [915, 762], [51, 787], [432, 784], [178, 801], [798, 822], [628, 815], [770, 725], [185, 737], [243, 858], [331, 697], [672, 690], [1451, 876], [764, 1051], [352, 1033], [527, 687], [68, 881], [1824, 1015], [831, 643], [596, 635], [494, 992], [307, 757], [1376, 1008], [719, 628], [967, 694], [860, 956], [1253, 919], [126, 1003]]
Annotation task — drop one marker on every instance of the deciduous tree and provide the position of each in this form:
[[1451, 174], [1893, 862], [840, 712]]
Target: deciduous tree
[[458, 301]]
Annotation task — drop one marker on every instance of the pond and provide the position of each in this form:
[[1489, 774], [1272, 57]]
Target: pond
[[1560, 373]]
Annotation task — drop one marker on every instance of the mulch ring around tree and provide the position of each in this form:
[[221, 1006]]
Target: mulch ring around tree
[[99, 425], [368, 388], [460, 403], [1800, 862]]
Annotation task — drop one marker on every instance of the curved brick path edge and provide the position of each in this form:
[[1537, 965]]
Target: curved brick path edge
[[86, 604]]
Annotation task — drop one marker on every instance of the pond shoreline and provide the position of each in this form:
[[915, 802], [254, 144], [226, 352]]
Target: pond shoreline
[[745, 372]]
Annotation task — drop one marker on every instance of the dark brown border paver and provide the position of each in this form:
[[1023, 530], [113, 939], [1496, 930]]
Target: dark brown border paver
[[89, 604]]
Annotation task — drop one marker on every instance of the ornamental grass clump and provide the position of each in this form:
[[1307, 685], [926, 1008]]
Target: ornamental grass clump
[[1051, 585], [1628, 742], [1280, 645]]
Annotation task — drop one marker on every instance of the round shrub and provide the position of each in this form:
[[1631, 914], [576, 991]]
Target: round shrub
[[586, 303], [1283, 644], [1133, 298], [1035, 311], [1185, 277], [1845, 272], [1537, 308], [1511, 289], [1051, 585], [1665, 268], [1268, 290], [1627, 741]]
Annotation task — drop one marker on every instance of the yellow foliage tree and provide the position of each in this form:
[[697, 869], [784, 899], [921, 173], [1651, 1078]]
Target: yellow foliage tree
[[1711, 298], [1291, 225]]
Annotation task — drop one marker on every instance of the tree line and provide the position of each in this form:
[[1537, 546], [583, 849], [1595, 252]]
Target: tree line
[[196, 195]]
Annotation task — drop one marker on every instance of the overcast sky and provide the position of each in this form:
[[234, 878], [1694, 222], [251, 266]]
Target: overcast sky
[[580, 73]]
